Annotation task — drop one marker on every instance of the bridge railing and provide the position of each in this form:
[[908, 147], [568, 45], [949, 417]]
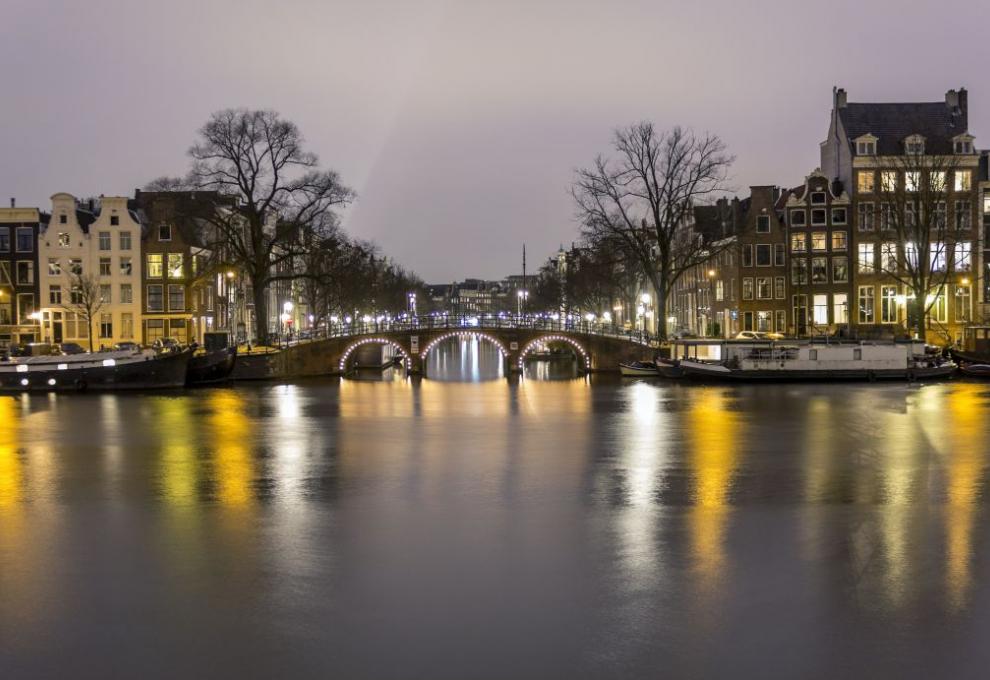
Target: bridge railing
[[466, 323]]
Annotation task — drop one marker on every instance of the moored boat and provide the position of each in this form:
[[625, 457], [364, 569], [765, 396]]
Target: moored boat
[[772, 361], [140, 369], [975, 370], [639, 369], [210, 367]]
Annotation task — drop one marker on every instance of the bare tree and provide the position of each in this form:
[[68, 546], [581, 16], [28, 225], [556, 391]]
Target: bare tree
[[85, 299], [645, 197], [257, 158], [921, 232]]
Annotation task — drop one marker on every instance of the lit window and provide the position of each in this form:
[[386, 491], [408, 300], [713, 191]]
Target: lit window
[[964, 180], [888, 257], [912, 180], [865, 182], [937, 180], [763, 289], [819, 240], [865, 258], [962, 258], [866, 304], [838, 240], [799, 242], [154, 265], [888, 304], [888, 180], [63, 239]]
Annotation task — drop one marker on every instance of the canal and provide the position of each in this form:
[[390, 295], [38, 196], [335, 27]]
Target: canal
[[472, 526]]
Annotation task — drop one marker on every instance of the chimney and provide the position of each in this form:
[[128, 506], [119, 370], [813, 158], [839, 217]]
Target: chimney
[[964, 108], [13, 202], [838, 98], [952, 99]]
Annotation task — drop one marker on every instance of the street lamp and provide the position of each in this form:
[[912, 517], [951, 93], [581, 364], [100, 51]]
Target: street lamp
[[412, 303], [521, 296]]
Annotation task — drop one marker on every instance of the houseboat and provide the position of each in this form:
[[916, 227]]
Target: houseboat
[[753, 361], [131, 369]]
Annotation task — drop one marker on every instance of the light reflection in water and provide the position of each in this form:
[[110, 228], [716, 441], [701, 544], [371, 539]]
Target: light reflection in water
[[465, 358], [715, 430], [11, 465], [229, 434]]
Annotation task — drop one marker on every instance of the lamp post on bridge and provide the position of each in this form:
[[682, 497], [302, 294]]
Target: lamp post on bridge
[[521, 296]]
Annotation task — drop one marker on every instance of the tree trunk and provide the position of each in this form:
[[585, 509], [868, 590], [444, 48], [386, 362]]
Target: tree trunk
[[260, 294], [661, 312], [919, 316], [89, 329]]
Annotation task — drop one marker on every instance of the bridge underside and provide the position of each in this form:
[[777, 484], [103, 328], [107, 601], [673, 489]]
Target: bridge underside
[[331, 356]]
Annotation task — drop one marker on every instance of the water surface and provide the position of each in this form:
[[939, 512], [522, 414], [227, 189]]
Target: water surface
[[496, 528]]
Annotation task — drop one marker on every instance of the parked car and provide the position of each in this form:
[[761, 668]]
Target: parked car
[[126, 347], [758, 335], [71, 348]]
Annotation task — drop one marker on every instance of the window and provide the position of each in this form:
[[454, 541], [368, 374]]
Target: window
[[911, 212], [105, 266], [799, 242], [747, 255], [963, 214], [799, 271], [176, 298], [25, 307], [964, 180], [940, 220], [820, 309], [55, 294], [54, 267], [164, 232], [888, 257], [886, 216], [126, 293], [912, 180], [865, 215], [763, 321], [127, 325], [156, 301], [104, 240], [800, 309], [963, 146], [819, 270], [839, 240], [888, 180], [911, 254], [914, 146], [840, 308], [63, 219], [25, 239], [819, 240], [747, 321], [25, 272], [962, 306], [154, 330], [719, 293], [818, 217], [75, 267], [154, 265], [939, 310], [865, 182], [4, 239], [797, 218], [778, 285], [840, 270], [105, 293], [838, 215], [63, 239], [114, 221], [175, 265], [936, 180], [866, 304], [763, 288], [763, 255], [747, 289], [209, 295], [818, 198], [125, 266], [866, 148], [125, 240], [779, 254], [781, 321], [763, 224], [937, 256], [962, 258], [75, 295], [888, 304], [106, 325], [865, 258]]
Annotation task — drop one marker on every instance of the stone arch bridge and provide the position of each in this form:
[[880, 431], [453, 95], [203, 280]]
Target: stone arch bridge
[[596, 350]]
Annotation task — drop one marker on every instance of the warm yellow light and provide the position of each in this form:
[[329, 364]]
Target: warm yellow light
[[711, 273], [965, 281]]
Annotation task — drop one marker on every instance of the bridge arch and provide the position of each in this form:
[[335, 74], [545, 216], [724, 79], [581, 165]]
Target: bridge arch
[[460, 334], [372, 341], [532, 344]]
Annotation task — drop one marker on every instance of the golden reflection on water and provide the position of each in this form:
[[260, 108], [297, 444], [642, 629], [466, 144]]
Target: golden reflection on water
[[715, 431], [176, 429], [228, 436], [11, 465]]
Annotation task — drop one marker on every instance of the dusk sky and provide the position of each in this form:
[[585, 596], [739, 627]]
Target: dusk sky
[[459, 124]]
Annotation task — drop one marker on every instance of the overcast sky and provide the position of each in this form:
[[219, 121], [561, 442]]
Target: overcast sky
[[458, 123]]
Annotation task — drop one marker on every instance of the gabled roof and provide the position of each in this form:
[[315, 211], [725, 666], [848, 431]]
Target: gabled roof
[[937, 122]]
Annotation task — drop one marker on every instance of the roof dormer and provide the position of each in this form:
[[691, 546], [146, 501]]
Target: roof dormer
[[866, 145], [914, 145], [963, 144]]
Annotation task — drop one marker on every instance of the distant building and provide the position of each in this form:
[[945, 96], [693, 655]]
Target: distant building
[[19, 280]]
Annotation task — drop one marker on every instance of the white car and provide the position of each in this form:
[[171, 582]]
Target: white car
[[759, 335]]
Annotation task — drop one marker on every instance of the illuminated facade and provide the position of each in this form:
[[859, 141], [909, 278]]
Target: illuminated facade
[[19, 293]]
